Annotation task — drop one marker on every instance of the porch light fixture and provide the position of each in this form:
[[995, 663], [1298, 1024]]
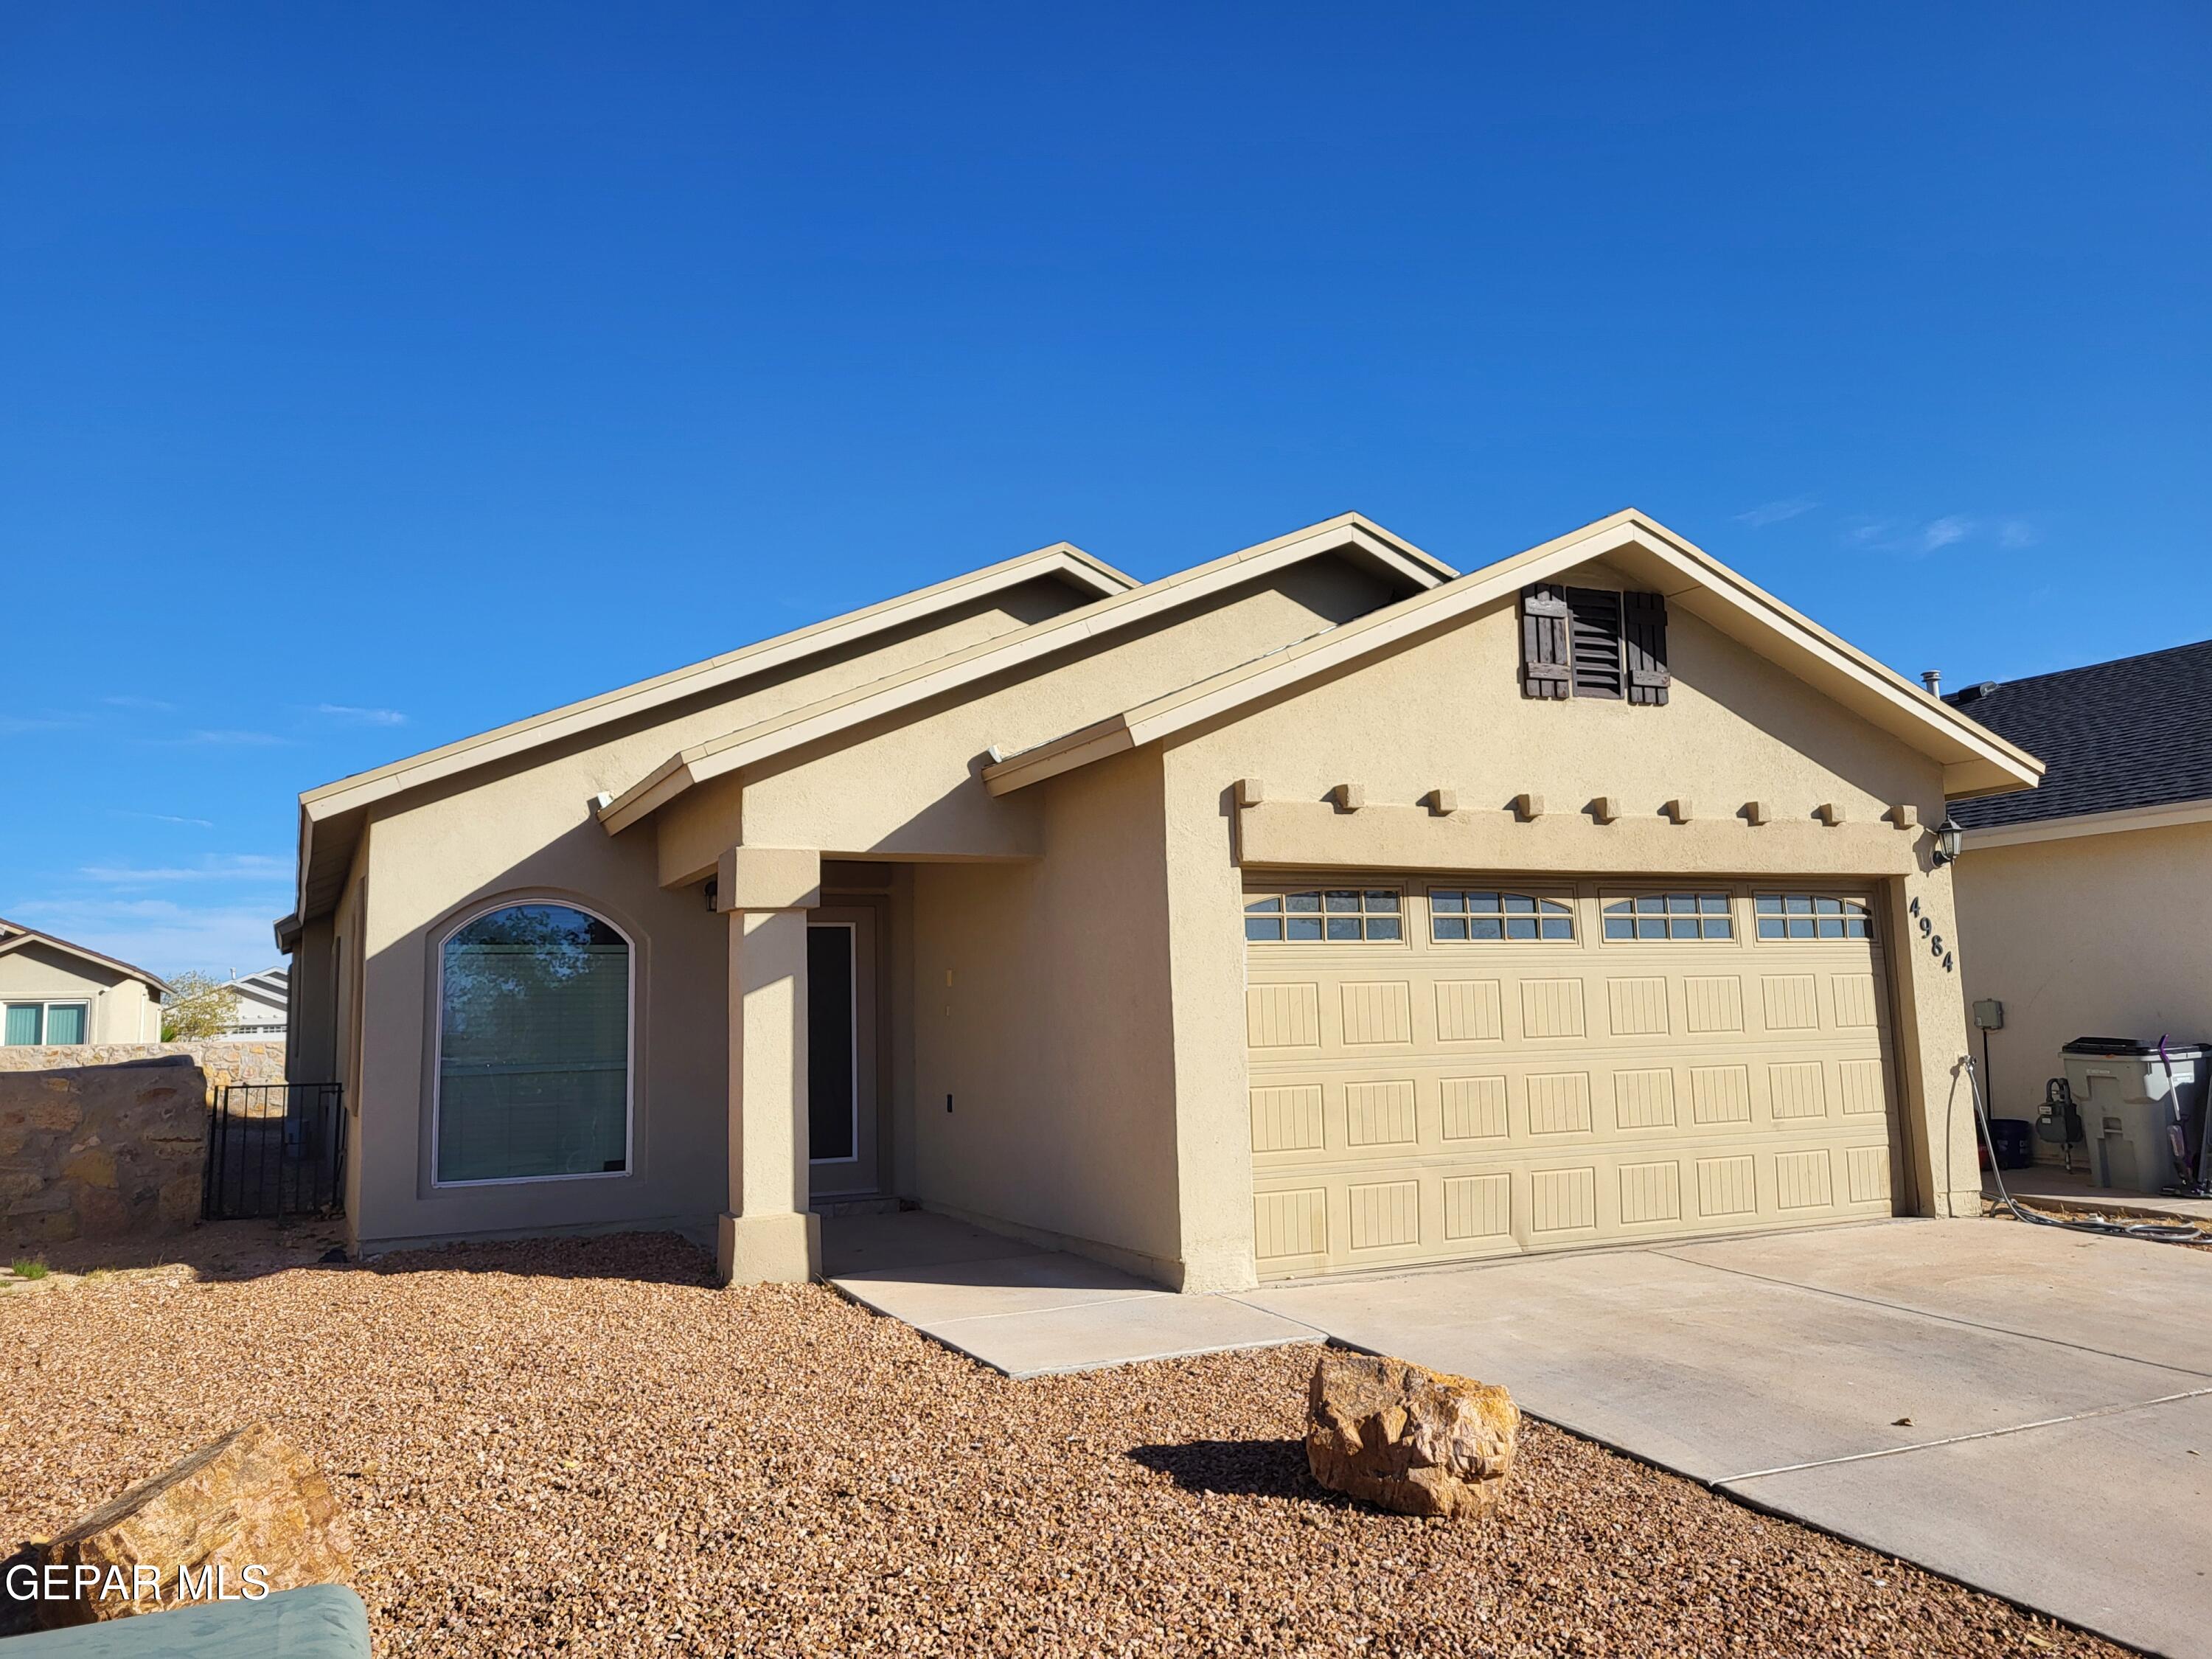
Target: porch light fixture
[[1949, 840]]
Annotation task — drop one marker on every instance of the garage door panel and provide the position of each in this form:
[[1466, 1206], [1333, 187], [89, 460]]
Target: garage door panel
[[1638, 1005], [1416, 1100], [1473, 1107], [1856, 1002], [1797, 1090], [1280, 1017], [1551, 1009], [1713, 1003], [1470, 1011], [1376, 1013], [1643, 1098], [1440, 1209], [1327, 1116]]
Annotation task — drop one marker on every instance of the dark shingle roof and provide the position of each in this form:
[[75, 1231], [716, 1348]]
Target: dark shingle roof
[[2116, 735]]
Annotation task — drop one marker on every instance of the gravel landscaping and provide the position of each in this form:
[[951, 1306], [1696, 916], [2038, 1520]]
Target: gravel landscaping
[[582, 1447]]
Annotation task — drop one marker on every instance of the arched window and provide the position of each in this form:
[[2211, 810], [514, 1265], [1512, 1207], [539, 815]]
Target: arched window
[[533, 1047]]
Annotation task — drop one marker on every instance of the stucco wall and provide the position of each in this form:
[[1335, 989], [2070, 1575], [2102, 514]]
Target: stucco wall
[[525, 830], [101, 1151], [1042, 1009], [1091, 1034], [1448, 712], [914, 785], [2091, 936], [122, 1009]]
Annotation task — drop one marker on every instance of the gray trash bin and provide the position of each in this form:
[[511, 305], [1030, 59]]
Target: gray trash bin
[[2131, 1102]]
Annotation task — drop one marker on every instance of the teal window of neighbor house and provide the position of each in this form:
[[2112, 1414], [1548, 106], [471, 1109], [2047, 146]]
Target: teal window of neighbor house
[[533, 1065], [29, 1023]]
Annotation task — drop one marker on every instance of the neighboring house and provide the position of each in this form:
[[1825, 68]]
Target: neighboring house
[[2086, 908], [264, 1002], [57, 994], [1311, 910]]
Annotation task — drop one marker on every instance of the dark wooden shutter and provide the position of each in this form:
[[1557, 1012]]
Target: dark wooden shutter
[[1644, 631], [1543, 641], [1593, 618]]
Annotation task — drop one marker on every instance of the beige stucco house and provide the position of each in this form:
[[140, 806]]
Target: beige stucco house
[[1314, 909], [2086, 908], [55, 994]]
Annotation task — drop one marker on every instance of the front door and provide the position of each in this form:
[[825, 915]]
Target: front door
[[840, 1052]]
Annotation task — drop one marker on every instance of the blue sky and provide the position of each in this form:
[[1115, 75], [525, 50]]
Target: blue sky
[[373, 375]]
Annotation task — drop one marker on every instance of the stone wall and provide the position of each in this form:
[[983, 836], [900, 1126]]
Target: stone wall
[[101, 1151], [248, 1059]]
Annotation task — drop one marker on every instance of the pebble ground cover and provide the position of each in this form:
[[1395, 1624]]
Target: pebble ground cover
[[585, 1448]]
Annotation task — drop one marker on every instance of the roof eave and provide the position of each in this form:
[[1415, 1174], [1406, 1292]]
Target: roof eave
[[24, 936], [750, 745], [1062, 559], [2121, 821], [1974, 759]]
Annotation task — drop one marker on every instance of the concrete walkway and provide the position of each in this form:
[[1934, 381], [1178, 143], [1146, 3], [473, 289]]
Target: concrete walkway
[[1025, 1311], [2025, 1410]]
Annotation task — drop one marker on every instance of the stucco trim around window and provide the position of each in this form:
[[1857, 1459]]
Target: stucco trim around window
[[443, 937]]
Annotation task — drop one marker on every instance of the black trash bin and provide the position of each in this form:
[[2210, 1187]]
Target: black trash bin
[[2014, 1139]]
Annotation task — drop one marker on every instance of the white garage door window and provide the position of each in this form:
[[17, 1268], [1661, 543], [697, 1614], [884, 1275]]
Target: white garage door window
[[1452, 1067]]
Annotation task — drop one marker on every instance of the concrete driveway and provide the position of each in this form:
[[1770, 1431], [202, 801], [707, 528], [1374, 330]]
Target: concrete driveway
[[2025, 1410]]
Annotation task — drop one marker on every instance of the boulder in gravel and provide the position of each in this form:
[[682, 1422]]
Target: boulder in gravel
[[248, 1500], [1415, 1441]]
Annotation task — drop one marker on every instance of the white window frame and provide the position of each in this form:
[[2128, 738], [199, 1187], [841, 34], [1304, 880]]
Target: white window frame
[[629, 1046], [45, 1006]]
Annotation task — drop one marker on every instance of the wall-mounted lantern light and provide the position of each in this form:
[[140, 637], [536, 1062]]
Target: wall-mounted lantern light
[[1949, 840]]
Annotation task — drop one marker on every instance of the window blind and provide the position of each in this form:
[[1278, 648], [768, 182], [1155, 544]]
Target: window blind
[[533, 1063]]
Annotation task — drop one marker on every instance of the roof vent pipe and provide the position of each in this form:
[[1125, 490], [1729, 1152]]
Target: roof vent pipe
[[1933, 679]]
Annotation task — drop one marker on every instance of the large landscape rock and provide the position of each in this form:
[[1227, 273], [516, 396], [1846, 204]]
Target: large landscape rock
[[1415, 1441], [250, 1500]]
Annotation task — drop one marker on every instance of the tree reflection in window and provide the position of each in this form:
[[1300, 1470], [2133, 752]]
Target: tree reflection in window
[[533, 1051]]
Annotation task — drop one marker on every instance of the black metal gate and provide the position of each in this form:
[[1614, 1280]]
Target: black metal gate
[[274, 1150]]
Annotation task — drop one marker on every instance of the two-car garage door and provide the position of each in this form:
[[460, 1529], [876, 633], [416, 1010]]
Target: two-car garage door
[[1453, 1068]]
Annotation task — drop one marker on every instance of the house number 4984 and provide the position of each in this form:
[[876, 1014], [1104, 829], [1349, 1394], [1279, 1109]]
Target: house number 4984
[[1928, 932]]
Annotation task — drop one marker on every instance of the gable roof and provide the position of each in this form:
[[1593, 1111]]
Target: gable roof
[[14, 936], [270, 985], [1975, 761], [2118, 736], [1348, 533], [1061, 561]]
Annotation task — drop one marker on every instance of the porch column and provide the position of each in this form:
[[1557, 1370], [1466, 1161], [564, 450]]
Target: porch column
[[768, 1235]]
